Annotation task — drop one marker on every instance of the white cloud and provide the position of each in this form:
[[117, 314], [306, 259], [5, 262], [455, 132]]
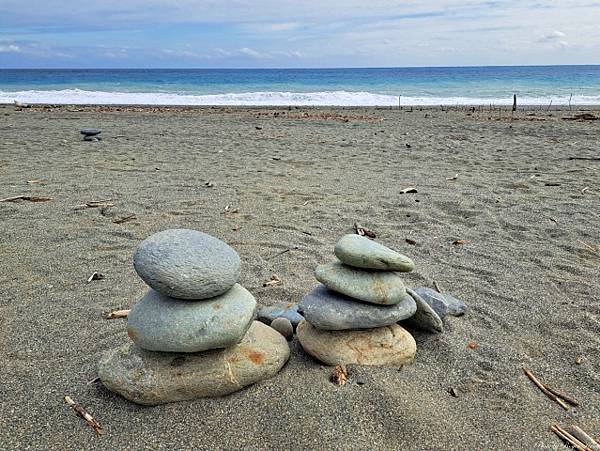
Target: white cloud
[[10, 48]]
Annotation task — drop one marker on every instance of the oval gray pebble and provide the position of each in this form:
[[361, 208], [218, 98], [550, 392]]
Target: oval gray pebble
[[187, 264]]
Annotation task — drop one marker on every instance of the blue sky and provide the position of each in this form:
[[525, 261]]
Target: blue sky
[[301, 33]]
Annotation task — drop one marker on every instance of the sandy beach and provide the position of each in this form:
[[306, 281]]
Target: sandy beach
[[285, 185]]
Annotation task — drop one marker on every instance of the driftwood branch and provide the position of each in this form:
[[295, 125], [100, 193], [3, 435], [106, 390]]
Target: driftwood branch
[[29, 198], [554, 395], [80, 410], [567, 437], [117, 314]]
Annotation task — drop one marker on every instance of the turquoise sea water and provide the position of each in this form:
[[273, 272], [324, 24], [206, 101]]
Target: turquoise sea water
[[534, 85]]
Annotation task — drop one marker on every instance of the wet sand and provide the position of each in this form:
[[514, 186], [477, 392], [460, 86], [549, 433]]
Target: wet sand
[[299, 179]]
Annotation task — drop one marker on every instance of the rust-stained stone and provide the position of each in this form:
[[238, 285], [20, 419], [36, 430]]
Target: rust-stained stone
[[152, 378]]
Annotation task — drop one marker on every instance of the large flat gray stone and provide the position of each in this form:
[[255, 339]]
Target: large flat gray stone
[[361, 252], [187, 264], [160, 323], [376, 287], [328, 310], [153, 378]]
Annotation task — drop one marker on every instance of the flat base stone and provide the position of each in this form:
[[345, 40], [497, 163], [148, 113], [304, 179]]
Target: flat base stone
[[152, 378], [382, 346]]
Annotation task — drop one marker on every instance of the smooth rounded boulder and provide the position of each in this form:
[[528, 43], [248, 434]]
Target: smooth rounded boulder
[[383, 346], [328, 310], [361, 252], [160, 323], [376, 287], [187, 264], [152, 378]]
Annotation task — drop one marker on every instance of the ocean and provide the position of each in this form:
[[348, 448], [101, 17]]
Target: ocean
[[534, 85]]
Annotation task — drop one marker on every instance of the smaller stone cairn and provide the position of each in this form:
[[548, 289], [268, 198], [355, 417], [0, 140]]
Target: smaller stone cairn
[[91, 134], [193, 333], [352, 317]]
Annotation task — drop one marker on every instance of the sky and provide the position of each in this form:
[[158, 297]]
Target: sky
[[299, 33]]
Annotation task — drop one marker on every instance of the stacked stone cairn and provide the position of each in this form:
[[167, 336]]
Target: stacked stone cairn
[[352, 317], [91, 134], [193, 333]]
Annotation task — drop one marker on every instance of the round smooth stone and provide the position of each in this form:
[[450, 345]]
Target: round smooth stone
[[288, 310], [152, 378], [328, 310], [425, 317], [361, 252], [284, 327], [382, 346], [376, 287], [187, 264], [90, 131], [159, 323]]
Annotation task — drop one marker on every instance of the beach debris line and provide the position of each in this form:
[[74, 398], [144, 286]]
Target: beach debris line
[[27, 198], [339, 375], [274, 281], [194, 279], [117, 314], [96, 276], [363, 231], [80, 410], [556, 396]]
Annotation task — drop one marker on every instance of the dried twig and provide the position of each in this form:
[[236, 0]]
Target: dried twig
[[79, 410], [339, 375], [28, 198], [458, 242], [566, 436], [585, 158], [363, 231], [585, 189], [275, 280], [590, 247], [117, 314], [549, 393], [437, 287], [452, 178], [583, 437], [96, 276], [124, 219]]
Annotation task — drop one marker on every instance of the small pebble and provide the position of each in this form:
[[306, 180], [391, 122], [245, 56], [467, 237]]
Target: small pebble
[[360, 381], [284, 327]]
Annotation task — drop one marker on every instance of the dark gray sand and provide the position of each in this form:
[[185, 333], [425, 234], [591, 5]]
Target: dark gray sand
[[299, 183]]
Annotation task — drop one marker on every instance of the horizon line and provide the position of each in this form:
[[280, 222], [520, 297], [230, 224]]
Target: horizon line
[[299, 68]]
